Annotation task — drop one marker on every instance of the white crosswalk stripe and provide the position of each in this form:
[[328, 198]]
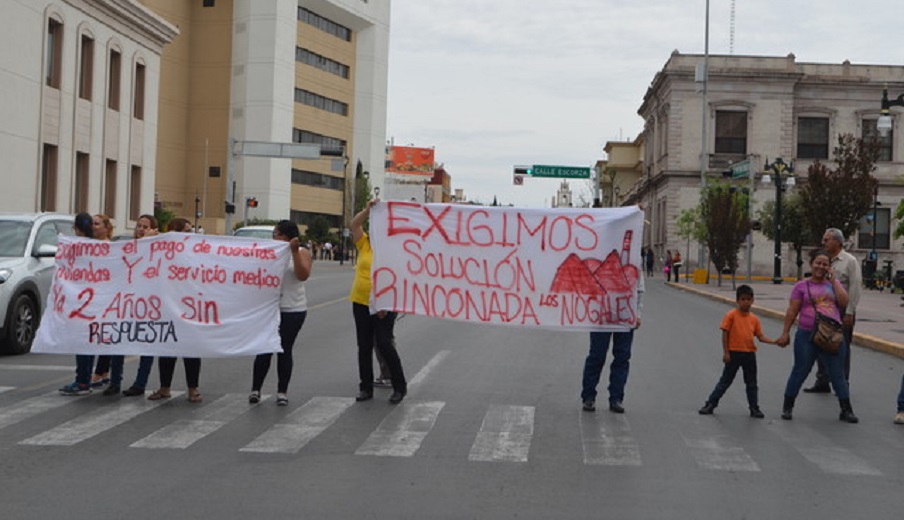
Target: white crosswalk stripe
[[28, 408], [6, 388], [94, 423], [505, 434], [606, 440], [402, 431], [711, 446], [300, 426], [821, 451], [183, 433]]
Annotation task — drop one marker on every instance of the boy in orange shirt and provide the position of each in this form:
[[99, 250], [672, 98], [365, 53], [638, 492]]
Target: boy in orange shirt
[[739, 327]]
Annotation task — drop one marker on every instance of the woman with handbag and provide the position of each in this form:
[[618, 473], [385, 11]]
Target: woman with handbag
[[819, 296]]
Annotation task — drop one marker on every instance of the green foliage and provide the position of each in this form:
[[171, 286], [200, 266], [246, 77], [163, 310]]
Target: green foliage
[[319, 230], [691, 225], [795, 230], [839, 198], [163, 217], [724, 213], [899, 216]]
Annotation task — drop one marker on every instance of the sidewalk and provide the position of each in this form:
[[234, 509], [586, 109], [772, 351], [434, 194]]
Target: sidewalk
[[880, 315]]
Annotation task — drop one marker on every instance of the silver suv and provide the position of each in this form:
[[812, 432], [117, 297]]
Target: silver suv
[[28, 244]]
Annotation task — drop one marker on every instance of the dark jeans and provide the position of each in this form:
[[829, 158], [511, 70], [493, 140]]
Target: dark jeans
[[618, 369], [677, 271], [822, 377], [805, 354], [115, 368], [103, 365], [83, 366], [739, 360], [167, 366], [374, 331], [289, 326], [144, 371], [901, 396]]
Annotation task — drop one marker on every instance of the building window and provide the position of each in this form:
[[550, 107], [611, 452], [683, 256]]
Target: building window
[[135, 193], [110, 188], [731, 132], [81, 181], [813, 138], [54, 55], [49, 178], [325, 64], [884, 143], [304, 136], [324, 24], [865, 233], [306, 218], [209, 3], [317, 180], [114, 81], [86, 68], [306, 97], [138, 102]]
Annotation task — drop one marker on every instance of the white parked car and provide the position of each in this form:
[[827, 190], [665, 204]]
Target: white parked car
[[254, 232], [28, 244]]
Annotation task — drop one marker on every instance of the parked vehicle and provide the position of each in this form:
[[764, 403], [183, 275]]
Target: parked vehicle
[[254, 232], [28, 244]]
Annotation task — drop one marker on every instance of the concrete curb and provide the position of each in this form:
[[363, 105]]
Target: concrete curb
[[860, 339]]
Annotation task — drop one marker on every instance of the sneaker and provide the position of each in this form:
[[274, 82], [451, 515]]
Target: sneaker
[[589, 406], [756, 413], [75, 389], [899, 419], [282, 400], [707, 409], [254, 397], [383, 382], [112, 390]]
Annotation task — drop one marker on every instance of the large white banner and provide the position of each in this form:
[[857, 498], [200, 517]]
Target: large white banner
[[571, 269], [174, 294]]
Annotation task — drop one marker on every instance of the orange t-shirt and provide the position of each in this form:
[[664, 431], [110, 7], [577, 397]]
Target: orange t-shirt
[[742, 328]]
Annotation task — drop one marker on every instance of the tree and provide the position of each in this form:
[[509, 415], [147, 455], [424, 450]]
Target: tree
[[163, 217], [724, 213], [691, 228], [794, 229], [899, 216], [839, 198]]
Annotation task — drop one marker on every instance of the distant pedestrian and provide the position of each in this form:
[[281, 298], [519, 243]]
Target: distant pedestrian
[[618, 369], [667, 265], [822, 293], [676, 265], [899, 418], [739, 326], [650, 260]]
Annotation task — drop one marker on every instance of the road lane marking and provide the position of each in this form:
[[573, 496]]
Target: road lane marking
[[712, 447], [183, 433], [94, 423], [300, 426], [607, 440], [505, 434], [426, 369], [402, 431], [824, 453], [6, 388], [55, 368], [28, 408]]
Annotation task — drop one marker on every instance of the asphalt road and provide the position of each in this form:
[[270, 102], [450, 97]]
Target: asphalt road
[[492, 428]]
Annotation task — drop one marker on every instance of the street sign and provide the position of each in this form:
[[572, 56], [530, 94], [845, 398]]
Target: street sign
[[740, 169], [561, 172]]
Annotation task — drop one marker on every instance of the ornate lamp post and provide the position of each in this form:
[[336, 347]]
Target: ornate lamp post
[[884, 123], [782, 176]]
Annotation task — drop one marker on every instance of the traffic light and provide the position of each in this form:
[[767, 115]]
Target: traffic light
[[523, 170], [251, 202], [230, 208]]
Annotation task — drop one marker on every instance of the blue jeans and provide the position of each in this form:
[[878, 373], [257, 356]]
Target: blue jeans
[[805, 354], [116, 363], [901, 396], [739, 360], [84, 365], [618, 369], [144, 371]]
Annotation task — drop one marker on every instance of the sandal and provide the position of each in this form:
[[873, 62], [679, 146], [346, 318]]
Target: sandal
[[194, 396], [157, 395]]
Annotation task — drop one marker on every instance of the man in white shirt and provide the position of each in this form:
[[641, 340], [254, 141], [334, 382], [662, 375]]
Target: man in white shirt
[[847, 269]]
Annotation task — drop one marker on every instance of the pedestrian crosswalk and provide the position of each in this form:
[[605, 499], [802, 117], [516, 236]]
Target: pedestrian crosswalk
[[507, 433]]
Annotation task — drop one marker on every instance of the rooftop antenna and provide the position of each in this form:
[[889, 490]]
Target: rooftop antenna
[[731, 30]]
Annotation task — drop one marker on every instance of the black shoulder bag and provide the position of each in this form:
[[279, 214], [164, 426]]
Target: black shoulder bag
[[827, 332]]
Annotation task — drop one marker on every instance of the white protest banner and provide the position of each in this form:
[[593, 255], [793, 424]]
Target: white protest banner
[[574, 269], [174, 294]]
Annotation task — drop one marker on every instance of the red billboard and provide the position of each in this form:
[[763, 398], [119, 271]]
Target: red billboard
[[410, 160]]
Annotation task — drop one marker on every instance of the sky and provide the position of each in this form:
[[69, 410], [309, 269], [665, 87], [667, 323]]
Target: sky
[[490, 84]]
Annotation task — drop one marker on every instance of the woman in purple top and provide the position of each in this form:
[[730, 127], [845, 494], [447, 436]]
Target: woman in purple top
[[822, 292]]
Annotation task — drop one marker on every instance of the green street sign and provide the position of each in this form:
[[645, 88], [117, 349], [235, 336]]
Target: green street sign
[[740, 169], [561, 172]]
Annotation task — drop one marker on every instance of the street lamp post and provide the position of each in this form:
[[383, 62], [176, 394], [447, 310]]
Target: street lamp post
[[345, 230], [883, 124], [782, 175]]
